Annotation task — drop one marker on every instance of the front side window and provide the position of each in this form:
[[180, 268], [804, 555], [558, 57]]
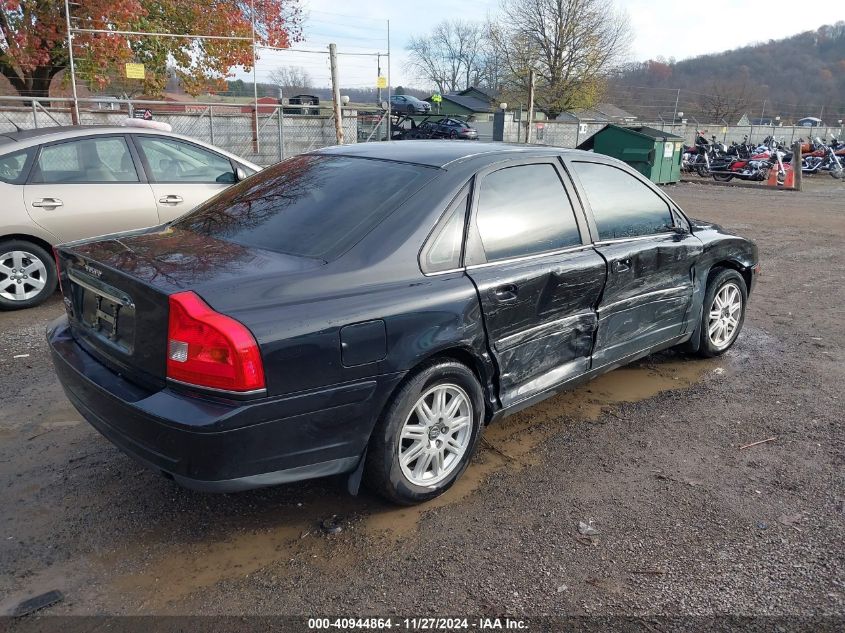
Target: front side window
[[170, 160], [622, 205], [310, 205], [524, 210], [13, 166], [90, 160]]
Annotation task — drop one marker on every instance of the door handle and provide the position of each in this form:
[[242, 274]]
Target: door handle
[[505, 293], [48, 203], [621, 265], [171, 199]]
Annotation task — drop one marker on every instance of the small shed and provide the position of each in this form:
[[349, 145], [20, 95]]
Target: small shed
[[654, 153]]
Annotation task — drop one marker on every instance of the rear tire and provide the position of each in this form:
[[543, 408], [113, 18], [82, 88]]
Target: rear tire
[[723, 313], [27, 275], [415, 456], [722, 177]]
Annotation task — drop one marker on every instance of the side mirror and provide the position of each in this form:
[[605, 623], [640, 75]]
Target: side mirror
[[240, 174]]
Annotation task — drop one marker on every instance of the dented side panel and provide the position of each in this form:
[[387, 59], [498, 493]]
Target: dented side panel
[[648, 296], [543, 333]]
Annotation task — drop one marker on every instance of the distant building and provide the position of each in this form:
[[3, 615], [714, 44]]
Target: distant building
[[810, 121], [470, 102]]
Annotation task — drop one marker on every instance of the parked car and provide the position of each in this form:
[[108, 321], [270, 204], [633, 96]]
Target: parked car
[[408, 104], [367, 309], [454, 128], [443, 128], [67, 183]]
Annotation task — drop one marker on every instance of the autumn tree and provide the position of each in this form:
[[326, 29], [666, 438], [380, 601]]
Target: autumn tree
[[450, 57], [572, 46], [33, 39]]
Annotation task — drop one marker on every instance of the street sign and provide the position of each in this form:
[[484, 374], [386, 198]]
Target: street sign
[[381, 82], [436, 98], [134, 71]]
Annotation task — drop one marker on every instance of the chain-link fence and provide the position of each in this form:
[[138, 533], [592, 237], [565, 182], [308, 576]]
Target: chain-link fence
[[265, 136]]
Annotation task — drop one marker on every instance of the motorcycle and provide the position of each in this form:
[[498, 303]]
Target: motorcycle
[[823, 157]]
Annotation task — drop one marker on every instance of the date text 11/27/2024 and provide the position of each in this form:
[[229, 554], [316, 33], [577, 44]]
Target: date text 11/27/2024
[[418, 624]]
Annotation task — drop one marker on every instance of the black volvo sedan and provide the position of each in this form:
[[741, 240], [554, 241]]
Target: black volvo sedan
[[367, 309]]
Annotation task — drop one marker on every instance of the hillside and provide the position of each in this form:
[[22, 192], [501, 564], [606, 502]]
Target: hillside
[[803, 75]]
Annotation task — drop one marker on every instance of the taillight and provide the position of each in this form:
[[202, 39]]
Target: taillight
[[208, 349]]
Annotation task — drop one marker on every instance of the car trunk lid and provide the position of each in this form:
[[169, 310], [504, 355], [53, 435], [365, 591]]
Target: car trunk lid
[[116, 290]]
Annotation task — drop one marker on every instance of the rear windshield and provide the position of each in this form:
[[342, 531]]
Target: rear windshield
[[311, 206]]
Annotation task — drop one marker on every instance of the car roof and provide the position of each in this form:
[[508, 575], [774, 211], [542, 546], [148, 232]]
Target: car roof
[[434, 153], [59, 130], [25, 138]]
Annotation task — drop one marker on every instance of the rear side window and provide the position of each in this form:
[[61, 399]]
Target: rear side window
[[622, 205], [444, 250], [312, 206], [13, 167], [90, 160], [524, 210]]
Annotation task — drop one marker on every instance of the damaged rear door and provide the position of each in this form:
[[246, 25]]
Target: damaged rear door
[[537, 276]]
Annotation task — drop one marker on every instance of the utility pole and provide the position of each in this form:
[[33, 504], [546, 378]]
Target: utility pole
[[75, 111], [530, 105], [677, 101], [378, 74], [389, 89], [338, 121], [255, 142]]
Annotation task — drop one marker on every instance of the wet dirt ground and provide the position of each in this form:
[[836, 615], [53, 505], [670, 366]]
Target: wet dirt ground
[[689, 520]]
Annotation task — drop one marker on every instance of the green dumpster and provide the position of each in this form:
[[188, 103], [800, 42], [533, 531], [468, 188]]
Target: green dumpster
[[654, 153]]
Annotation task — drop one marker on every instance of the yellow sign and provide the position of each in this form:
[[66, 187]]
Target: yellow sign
[[381, 82], [134, 71], [436, 98]]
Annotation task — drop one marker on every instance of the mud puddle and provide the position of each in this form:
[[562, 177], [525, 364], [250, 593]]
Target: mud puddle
[[511, 443], [160, 569]]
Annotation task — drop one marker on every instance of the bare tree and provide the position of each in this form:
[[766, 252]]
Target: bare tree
[[291, 80], [726, 101], [451, 57], [572, 45]]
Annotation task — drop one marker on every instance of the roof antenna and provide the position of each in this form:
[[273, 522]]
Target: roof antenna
[[18, 128]]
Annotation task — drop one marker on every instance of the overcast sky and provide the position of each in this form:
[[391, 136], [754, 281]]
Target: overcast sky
[[668, 28]]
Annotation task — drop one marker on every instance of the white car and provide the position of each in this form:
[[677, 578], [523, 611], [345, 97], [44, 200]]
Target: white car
[[60, 184]]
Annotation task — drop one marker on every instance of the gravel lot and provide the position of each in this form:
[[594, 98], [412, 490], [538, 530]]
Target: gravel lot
[[687, 521]]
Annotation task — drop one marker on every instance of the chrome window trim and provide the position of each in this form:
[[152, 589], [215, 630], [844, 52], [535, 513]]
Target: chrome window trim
[[561, 251], [445, 272], [636, 238]]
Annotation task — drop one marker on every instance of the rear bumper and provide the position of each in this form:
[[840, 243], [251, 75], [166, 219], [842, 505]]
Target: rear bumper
[[222, 445]]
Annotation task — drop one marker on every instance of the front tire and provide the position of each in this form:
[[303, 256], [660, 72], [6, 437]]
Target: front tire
[[427, 435], [27, 275], [724, 312]]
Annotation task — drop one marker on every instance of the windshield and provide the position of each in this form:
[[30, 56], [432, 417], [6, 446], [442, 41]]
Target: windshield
[[311, 206]]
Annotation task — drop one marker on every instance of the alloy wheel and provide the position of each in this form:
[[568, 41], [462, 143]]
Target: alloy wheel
[[436, 435], [725, 313], [22, 275]]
